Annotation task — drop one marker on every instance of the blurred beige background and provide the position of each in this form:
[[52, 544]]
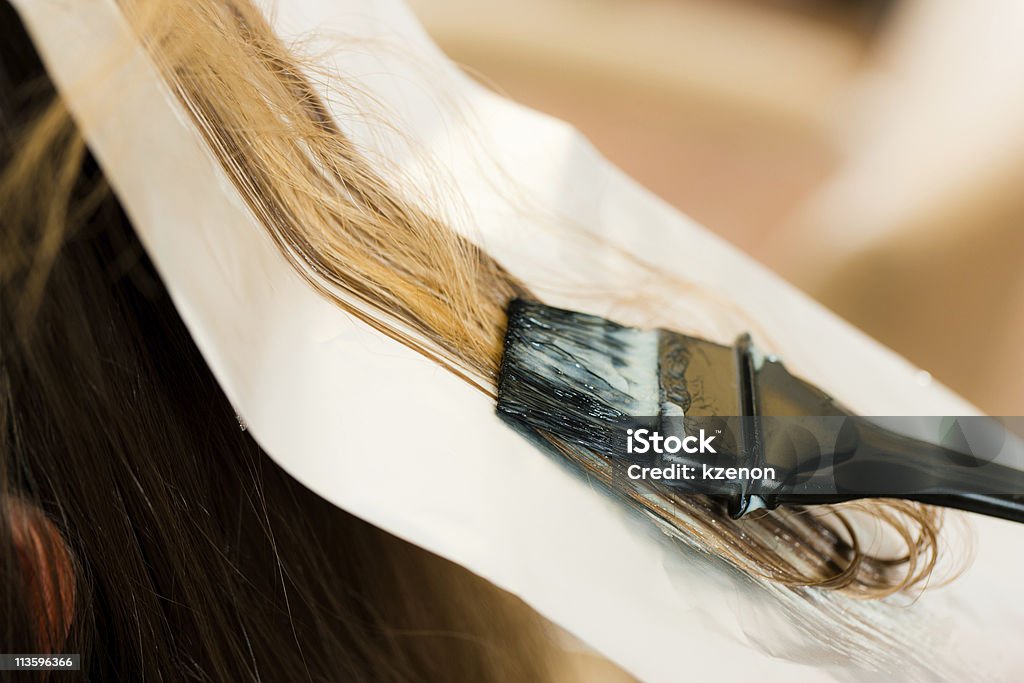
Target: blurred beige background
[[868, 151]]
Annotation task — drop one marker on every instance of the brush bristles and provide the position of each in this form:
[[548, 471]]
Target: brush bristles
[[577, 375]]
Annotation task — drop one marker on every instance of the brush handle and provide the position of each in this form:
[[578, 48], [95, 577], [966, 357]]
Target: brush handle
[[882, 464], [865, 460], [1009, 507]]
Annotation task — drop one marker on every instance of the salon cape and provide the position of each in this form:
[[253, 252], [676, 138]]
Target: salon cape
[[392, 438]]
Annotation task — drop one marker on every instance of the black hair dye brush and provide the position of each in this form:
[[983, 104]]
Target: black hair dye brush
[[699, 417]]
